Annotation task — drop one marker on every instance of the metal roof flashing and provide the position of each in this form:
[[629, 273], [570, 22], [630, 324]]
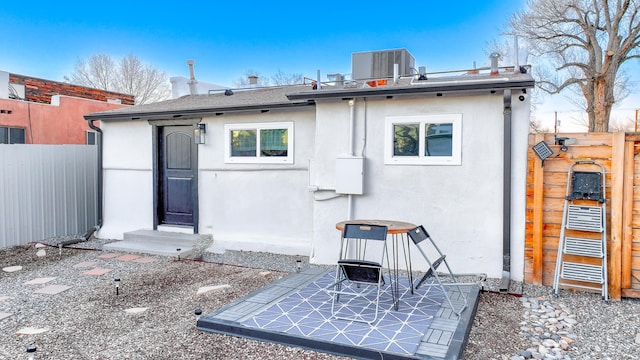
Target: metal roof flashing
[[436, 85]]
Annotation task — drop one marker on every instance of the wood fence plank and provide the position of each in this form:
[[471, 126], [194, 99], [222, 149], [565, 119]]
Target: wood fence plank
[[627, 215]]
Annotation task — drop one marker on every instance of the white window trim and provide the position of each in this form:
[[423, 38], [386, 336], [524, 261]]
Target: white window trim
[[421, 159], [258, 159]]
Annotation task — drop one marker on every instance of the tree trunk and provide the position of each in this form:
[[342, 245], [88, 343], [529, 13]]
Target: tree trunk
[[603, 101]]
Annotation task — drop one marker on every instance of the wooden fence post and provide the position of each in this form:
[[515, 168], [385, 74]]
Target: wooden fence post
[[617, 188], [538, 210]]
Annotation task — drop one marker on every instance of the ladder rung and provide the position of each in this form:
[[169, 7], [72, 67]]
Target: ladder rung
[[583, 247], [584, 218], [582, 272]]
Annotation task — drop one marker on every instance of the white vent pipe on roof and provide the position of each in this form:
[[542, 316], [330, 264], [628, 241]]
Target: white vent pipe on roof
[[516, 50], [193, 83], [319, 83], [395, 73], [494, 63]]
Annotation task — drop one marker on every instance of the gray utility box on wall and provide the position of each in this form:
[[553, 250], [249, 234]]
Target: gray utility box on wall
[[350, 175]]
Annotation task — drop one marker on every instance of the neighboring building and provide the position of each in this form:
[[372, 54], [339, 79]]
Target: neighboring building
[[281, 166], [38, 111]]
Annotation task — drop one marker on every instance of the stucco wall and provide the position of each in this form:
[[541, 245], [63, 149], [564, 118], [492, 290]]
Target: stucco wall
[[461, 206], [128, 178], [259, 207], [59, 123], [268, 207]]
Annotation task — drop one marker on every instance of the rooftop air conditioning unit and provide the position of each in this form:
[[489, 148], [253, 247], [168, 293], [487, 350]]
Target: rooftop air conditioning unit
[[379, 64]]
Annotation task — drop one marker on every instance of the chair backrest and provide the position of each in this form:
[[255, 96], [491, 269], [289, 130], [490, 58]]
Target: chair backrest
[[364, 232], [418, 234], [363, 242]]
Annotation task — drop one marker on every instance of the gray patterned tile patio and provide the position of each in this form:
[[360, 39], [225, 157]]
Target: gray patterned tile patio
[[296, 311]]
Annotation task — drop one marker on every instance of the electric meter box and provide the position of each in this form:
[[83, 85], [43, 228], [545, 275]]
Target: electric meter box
[[350, 175]]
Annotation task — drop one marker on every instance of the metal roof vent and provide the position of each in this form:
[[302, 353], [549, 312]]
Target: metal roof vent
[[193, 83]]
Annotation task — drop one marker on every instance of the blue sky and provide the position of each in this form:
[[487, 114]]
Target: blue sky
[[226, 38], [45, 38]]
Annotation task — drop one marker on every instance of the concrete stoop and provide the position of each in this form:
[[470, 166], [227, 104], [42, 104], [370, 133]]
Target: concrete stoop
[[161, 243]]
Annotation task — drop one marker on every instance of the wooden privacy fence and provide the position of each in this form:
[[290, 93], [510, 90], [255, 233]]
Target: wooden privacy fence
[[619, 153]]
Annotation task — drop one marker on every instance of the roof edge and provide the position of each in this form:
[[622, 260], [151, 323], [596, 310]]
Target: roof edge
[[191, 112], [413, 89]]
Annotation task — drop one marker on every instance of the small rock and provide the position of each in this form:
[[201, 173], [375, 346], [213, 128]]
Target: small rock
[[41, 253], [549, 343], [39, 245], [12, 268], [526, 354], [264, 273], [31, 331], [137, 310], [205, 289], [567, 340], [638, 338]]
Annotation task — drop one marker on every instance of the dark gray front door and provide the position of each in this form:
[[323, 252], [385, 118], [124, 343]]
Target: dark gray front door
[[178, 179]]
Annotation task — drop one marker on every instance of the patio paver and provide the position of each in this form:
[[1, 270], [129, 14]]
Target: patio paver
[[97, 271], [109, 255], [128, 257], [39, 281], [144, 260], [52, 289]]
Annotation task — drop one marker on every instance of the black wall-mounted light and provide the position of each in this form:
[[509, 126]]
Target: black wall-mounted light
[[199, 133]]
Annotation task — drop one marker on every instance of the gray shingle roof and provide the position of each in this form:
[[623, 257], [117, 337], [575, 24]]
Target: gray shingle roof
[[194, 105], [303, 95]]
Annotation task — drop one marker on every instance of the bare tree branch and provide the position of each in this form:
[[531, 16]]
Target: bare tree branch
[[586, 41], [129, 76]]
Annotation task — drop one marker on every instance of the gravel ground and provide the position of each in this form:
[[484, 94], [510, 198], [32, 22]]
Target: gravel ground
[[88, 320]]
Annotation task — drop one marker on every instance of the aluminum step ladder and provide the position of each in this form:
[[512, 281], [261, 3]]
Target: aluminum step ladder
[[582, 248]]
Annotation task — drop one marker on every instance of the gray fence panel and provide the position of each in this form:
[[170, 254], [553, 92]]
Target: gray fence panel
[[46, 191]]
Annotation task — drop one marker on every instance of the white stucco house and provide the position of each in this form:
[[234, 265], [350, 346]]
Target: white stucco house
[[280, 166]]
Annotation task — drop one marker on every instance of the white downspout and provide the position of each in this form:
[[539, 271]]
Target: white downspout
[[352, 124]]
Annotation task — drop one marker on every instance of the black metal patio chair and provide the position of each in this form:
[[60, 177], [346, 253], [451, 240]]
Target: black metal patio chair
[[418, 235], [359, 272]]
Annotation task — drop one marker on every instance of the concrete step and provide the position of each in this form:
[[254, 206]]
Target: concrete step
[[156, 243]]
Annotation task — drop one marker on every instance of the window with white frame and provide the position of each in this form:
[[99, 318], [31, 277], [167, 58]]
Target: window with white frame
[[270, 143], [423, 139]]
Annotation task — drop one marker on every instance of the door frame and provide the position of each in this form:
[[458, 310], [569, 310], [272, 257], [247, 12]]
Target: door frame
[[156, 135]]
